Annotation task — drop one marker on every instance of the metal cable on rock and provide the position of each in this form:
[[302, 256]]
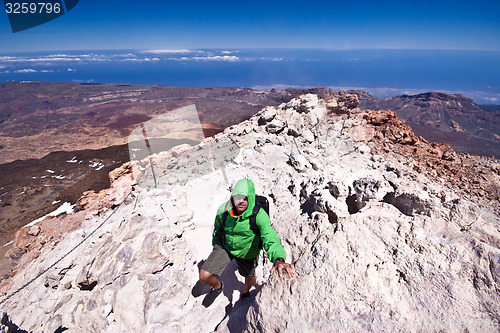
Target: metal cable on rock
[[63, 257]]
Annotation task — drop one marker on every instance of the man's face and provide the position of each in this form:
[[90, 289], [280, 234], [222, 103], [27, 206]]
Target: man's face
[[240, 203]]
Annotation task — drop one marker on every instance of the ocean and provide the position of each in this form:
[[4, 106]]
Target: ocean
[[475, 74]]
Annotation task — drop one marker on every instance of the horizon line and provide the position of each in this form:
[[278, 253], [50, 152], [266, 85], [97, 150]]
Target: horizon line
[[179, 50]]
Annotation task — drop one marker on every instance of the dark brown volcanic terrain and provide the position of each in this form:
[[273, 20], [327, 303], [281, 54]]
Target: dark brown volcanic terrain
[[445, 118], [60, 139], [37, 118]]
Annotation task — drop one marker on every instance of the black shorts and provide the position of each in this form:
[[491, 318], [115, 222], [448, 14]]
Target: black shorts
[[220, 258]]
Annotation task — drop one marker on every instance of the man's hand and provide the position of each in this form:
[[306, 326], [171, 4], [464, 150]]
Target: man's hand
[[280, 266]]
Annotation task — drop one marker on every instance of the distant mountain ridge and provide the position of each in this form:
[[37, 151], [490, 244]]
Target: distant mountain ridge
[[445, 118]]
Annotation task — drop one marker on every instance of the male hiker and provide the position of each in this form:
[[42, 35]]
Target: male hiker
[[235, 237]]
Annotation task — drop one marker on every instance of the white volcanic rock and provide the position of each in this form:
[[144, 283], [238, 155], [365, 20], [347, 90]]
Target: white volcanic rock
[[376, 245]]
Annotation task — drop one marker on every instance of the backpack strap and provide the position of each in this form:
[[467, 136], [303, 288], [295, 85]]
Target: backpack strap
[[253, 223], [221, 235], [224, 218]]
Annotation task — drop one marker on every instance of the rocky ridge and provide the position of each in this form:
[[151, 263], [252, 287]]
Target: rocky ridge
[[445, 118], [381, 236], [60, 139]]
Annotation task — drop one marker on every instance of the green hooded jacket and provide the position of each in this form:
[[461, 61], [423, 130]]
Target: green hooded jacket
[[240, 240]]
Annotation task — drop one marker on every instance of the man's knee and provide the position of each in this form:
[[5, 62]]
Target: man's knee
[[204, 275]]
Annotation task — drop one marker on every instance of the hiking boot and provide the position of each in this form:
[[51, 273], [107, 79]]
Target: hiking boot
[[212, 295]]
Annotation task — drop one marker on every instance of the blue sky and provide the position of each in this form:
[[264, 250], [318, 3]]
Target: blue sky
[[112, 24]]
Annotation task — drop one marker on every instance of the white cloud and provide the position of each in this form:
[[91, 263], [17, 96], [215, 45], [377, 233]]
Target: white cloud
[[45, 59], [492, 100], [26, 70], [263, 59], [142, 60], [179, 55], [55, 59], [71, 70], [58, 55], [209, 58], [168, 51], [124, 55], [84, 58]]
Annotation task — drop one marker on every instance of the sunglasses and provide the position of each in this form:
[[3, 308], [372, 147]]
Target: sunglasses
[[239, 197]]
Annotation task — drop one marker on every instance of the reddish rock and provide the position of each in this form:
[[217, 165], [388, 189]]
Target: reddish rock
[[471, 175], [34, 231], [121, 171]]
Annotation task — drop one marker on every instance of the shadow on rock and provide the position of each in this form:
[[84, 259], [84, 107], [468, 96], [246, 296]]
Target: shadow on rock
[[200, 288], [235, 311], [237, 318]]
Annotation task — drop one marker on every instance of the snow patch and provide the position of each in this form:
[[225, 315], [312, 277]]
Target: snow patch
[[97, 165], [73, 160], [65, 208], [6, 244], [50, 171]]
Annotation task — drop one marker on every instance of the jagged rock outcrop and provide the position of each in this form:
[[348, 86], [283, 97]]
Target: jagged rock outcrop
[[446, 118], [379, 243]]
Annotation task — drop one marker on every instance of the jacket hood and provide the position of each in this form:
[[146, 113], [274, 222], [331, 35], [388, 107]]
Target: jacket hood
[[247, 188]]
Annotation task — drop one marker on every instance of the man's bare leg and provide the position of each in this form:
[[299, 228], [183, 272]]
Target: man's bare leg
[[209, 279], [249, 282]]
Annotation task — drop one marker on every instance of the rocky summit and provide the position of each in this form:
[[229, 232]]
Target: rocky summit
[[387, 232]]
